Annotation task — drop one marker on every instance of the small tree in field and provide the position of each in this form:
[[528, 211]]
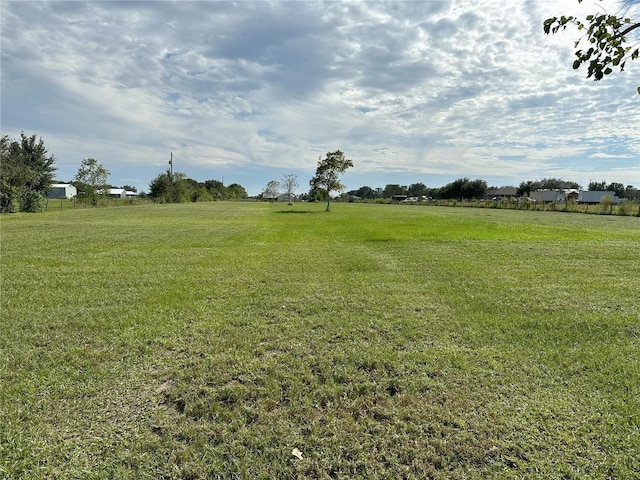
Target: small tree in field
[[327, 174], [91, 178], [289, 183]]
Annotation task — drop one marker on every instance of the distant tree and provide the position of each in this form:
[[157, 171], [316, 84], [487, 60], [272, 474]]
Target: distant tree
[[201, 194], [417, 190], [605, 41], [463, 188], [616, 187], [168, 188], [529, 186], [26, 173], [366, 192], [272, 190], [597, 186], [236, 191], [160, 188], [632, 193], [328, 172], [129, 188], [392, 189], [91, 180], [191, 185], [216, 188], [289, 184], [474, 189]]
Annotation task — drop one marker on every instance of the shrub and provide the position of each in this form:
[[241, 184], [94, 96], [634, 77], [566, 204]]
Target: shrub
[[626, 208], [32, 201], [606, 205]]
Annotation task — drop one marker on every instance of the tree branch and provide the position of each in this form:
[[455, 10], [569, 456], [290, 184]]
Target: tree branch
[[626, 30]]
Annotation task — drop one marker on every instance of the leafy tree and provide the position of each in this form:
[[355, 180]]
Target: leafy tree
[[366, 192], [168, 188], [216, 189], [201, 194], [289, 184], [392, 189], [474, 189], [605, 41], [417, 190], [616, 187], [129, 188], [529, 186], [272, 190], [597, 186], [464, 188], [160, 188], [236, 191], [26, 173], [632, 193], [91, 179], [328, 173]]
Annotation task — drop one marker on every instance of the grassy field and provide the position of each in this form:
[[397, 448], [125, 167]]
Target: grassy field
[[210, 340]]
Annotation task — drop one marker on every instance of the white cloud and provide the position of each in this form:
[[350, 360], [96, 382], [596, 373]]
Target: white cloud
[[438, 89], [608, 155]]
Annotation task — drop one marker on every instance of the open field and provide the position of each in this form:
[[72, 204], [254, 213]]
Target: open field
[[210, 340]]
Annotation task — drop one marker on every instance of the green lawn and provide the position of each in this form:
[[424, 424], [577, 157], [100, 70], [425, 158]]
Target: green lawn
[[382, 341]]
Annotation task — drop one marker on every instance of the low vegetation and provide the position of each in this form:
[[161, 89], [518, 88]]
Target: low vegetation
[[212, 340]]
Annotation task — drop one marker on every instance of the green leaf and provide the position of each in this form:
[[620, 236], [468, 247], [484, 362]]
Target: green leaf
[[638, 90]]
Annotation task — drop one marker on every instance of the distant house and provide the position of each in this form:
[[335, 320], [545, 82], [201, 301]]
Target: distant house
[[116, 193], [501, 193], [284, 197], [398, 198], [130, 194], [62, 190], [272, 197]]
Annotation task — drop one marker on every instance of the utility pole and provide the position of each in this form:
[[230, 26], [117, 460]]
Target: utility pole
[[171, 167]]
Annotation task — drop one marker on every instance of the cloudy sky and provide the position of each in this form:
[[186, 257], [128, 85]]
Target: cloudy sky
[[245, 92]]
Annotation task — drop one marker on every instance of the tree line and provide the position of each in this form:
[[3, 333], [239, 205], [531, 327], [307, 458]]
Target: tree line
[[176, 187], [27, 173], [464, 188]]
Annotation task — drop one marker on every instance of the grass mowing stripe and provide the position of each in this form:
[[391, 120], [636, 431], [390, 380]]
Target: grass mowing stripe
[[209, 340]]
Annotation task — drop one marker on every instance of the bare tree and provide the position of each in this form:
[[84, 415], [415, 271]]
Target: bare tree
[[289, 184]]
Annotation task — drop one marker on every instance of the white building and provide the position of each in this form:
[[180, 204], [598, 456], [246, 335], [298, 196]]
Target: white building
[[62, 190], [116, 193]]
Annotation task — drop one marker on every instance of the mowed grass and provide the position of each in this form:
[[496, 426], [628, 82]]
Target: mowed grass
[[382, 341]]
